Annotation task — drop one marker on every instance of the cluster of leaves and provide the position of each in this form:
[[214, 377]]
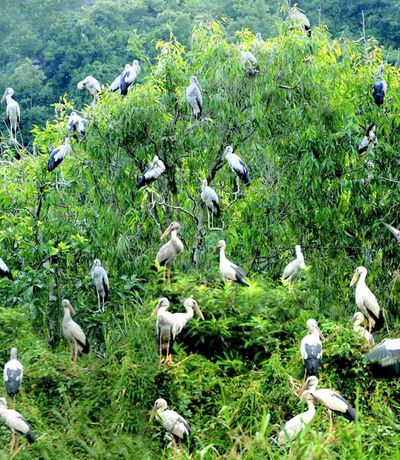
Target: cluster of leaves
[[297, 125]]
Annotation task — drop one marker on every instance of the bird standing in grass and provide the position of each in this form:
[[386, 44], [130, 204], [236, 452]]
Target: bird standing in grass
[[171, 421], [194, 98], [366, 301], [293, 268], [170, 251], [298, 423], [17, 424], [73, 333], [331, 400], [101, 283], [210, 199], [311, 349], [13, 373], [5, 272]]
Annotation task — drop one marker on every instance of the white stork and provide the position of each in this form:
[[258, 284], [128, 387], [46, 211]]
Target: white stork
[[17, 424], [386, 353], [58, 154], [298, 423], [300, 20], [331, 400], [170, 251], [227, 269], [91, 85], [238, 167], [100, 280], [152, 173], [369, 141], [258, 41], [360, 330], [210, 199], [77, 125], [73, 332], [13, 113], [394, 231], [366, 301], [194, 98], [13, 373], [5, 272], [311, 348], [380, 86], [249, 63], [126, 78], [293, 268], [171, 421], [169, 325]]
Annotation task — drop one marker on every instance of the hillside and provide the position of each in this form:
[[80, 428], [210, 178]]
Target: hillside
[[297, 125]]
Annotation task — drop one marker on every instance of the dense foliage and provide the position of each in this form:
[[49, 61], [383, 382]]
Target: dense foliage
[[43, 55], [297, 125]]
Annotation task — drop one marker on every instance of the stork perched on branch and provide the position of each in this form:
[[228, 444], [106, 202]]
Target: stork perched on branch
[[300, 20], [17, 424], [13, 373], [13, 113], [126, 78], [91, 85], [331, 400], [100, 281], [380, 86], [369, 141], [73, 332], [58, 154], [311, 348], [171, 421], [366, 301], [210, 199], [169, 325], [77, 125], [238, 167], [194, 98], [152, 173], [249, 63], [170, 251], [5, 272], [229, 270], [298, 423], [293, 268]]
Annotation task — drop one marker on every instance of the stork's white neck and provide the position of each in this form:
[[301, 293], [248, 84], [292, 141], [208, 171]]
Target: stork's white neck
[[222, 256], [361, 279], [310, 404]]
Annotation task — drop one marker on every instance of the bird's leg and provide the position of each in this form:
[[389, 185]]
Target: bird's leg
[[12, 442], [174, 444], [330, 422], [16, 446], [238, 187], [161, 356], [71, 350], [169, 276], [14, 399], [167, 359], [103, 303], [290, 286], [208, 218], [232, 301], [75, 354]]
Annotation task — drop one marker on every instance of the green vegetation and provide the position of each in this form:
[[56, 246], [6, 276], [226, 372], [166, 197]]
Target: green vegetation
[[297, 126]]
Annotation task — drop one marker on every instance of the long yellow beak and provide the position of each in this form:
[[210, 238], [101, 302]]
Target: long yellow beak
[[354, 279], [198, 311], [166, 233], [214, 250]]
